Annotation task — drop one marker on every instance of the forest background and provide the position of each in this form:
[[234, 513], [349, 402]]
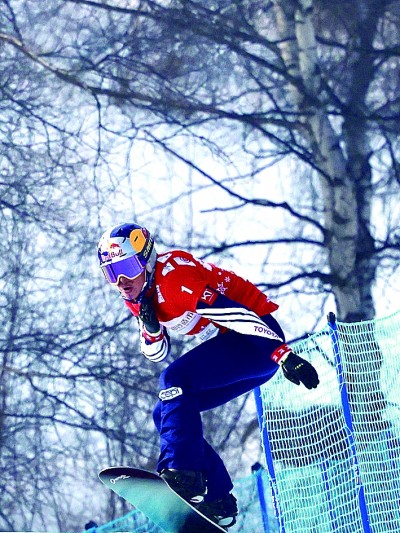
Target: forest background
[[262, 135]]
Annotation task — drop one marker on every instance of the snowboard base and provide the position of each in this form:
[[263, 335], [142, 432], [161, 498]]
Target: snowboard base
[[149, 493]]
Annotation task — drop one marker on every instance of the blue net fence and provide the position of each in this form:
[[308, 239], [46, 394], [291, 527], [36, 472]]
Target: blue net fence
[[332, 455]]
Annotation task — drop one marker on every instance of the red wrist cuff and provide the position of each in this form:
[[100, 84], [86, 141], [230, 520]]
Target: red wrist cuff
[[151, 337], [281, 353]]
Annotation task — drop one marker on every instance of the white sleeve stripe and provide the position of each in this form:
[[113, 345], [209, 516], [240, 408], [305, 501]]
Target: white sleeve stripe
[[240, 320], [226, 310], [156, 358], [230, 314], [162, 347], [156, 351], [235, 318]]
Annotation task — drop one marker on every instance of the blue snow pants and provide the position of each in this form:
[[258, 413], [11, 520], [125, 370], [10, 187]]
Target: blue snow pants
[[208, 376]]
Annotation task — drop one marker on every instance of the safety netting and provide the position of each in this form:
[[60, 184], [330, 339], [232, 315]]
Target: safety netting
[[333, 453]]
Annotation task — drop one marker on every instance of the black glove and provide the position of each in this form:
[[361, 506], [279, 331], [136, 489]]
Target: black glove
[[299, 370], [148, 316]]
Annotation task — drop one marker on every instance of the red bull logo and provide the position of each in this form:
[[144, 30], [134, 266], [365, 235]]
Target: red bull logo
[[115, 250]]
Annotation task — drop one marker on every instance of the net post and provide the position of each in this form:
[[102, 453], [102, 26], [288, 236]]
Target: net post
[[257, 471], [349, 421], [270, 467]]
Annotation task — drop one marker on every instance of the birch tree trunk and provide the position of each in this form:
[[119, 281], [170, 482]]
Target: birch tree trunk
[[346, 181], [342, 155]]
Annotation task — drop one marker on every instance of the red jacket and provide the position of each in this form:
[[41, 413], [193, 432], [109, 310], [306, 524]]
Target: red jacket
[[185, 290]]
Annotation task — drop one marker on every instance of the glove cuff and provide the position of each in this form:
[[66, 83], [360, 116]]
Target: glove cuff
[[280, 354]]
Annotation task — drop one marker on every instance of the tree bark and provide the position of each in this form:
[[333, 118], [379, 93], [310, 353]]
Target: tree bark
[[342, 155]]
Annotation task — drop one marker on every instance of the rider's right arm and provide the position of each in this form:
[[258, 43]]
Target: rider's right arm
[[154, 346]]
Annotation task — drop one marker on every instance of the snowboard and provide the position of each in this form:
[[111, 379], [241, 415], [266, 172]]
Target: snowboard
[[149, 493]]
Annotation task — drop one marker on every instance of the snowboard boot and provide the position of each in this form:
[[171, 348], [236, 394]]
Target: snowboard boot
[[223, 512], [190, 485]]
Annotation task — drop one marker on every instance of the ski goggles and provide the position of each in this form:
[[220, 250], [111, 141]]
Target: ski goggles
[[130, 268]]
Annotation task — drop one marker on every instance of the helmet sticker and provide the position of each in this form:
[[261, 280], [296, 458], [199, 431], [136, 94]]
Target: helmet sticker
[[115, 250], [137, 239]]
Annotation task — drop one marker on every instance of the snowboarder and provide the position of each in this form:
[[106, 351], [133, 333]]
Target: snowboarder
[[241, 347]]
